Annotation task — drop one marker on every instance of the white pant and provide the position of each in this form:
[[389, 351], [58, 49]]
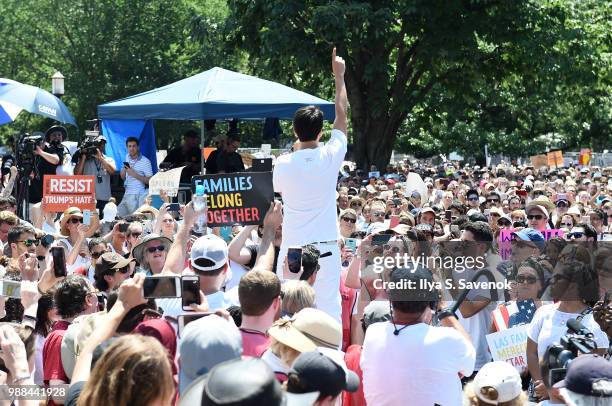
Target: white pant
[[327, 284], [130, 203]]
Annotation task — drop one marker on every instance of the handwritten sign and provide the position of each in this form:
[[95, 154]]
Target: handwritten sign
[[375, 174], [584, 158], [510, 346], [505, 240], [236, 198], [555, 159], [168, 181], [538, 161], [61, 192]]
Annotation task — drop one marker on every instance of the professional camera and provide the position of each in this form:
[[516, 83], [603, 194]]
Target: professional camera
[[558, 356], [8, 161], [26, 145], [88, 145]]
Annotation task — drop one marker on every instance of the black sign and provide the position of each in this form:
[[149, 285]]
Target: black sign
[[236, 198]]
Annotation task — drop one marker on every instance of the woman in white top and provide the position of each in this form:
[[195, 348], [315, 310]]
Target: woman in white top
[[165, 224], [72, 227], [574, 285]]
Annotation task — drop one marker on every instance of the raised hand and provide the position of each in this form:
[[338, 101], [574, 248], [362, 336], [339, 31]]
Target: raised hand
[[338, 65]]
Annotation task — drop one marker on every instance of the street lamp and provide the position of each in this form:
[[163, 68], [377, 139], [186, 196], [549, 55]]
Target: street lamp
[[57, 84]]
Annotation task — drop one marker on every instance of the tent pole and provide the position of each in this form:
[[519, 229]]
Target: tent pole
[[202, 143]]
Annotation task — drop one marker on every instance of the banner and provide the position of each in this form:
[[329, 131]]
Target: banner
[[539, 161], [61, 192], [168, 181], [206, 151], [505, 240], [510, 346], [584, 158], [555, 159], [236, 198]]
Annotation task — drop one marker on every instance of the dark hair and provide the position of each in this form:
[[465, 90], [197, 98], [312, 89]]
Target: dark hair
[[409, 306], [589, 230], [96, 241], [460, 221], [475, 217], [584, 277], [15, 233], [70, 295], [233, 137], [308, 123], [132, 139], [257, 290], [43, 323], [481, 230], [310, 261], [458, 206], [132, 317], [236, 314]]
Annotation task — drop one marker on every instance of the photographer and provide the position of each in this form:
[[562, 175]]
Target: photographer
[[93, 162], [49, 156]]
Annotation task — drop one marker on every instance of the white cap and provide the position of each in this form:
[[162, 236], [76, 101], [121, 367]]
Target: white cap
[[110, 212], [502, 377], [209, 253]]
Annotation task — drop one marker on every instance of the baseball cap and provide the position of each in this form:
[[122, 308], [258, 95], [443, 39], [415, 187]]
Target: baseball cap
[[535, 206], [530, 234], [111, 260], [502, 377], [375, 312], [427, 210], [408, 286], [208, 253], [244, 382], [323, 371], [308, 329], [590, 375], [205, 343]]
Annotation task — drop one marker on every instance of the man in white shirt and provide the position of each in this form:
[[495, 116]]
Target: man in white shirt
[[136, 174], [307, 179], [423, 364]]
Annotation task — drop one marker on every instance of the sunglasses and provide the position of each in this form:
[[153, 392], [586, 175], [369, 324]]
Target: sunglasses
[[504, 223], [472, 199], [567, 225], [75, 220], [378, 214], [124, 270], [492, 200], [561, 205], [159, 248], [349, 220], [538, 193], [136, 234], [528, 279], [29, 243], [535, 217], [575, 235], [97, 255]]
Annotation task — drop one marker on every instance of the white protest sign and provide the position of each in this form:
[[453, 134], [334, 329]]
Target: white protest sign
[[167, 181], [414, 183], [374, 174], [266, 149], [510, 346]]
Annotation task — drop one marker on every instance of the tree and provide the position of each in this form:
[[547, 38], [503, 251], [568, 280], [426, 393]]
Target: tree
[[418, 65]]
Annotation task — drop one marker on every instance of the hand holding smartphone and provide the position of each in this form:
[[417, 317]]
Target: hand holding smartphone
[[59, 261], [190, 291], [294, 259], [158, 287]]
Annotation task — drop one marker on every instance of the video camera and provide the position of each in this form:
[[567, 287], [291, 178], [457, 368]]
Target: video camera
[[558, 356], [26, 145], [88, 145]]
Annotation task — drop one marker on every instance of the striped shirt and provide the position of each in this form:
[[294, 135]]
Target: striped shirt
[[142, 166]]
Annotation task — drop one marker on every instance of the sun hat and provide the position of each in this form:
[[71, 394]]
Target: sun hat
[[138, 250], [589, 375], [308, 329], [66, 216], [111, 260], [497, 382], [209, 253]]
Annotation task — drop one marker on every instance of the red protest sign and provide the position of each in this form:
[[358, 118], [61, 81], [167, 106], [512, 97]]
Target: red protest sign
[[61, 192]]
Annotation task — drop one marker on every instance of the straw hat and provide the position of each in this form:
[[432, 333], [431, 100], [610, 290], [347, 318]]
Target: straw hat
[[138, 250], [66, 216], [543, 201], [308, 329]]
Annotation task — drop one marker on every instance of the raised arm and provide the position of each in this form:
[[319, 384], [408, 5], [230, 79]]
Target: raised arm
[[338, 67], [175, 261], [272, 220]]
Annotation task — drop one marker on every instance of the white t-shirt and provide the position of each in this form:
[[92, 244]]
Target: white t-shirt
[[549, 324], [420, 366], [307, 179], [173, 307]]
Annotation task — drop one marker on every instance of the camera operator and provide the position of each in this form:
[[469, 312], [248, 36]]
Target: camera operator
[[94, 162], [50, 155]]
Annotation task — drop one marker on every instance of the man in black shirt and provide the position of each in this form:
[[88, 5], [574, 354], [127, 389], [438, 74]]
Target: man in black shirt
[[226, 160], [188, 155], [48, 157]]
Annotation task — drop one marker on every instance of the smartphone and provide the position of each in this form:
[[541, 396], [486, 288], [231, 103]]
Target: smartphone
[[126, 164], [586, 220], [184, 319], [381, 239], [448, 215], [47, 240], [350, 244], [10, 289], [161, 287], [190, 290], [59, 261], [123, 227], [174, 207], [86, 217], [294, 259], [454, 228], [487, 213]]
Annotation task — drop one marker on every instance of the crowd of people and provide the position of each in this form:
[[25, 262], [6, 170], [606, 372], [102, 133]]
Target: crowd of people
[[379, 310]]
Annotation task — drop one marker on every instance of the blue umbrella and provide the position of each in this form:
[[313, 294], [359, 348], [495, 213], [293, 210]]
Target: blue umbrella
[[15, 96]]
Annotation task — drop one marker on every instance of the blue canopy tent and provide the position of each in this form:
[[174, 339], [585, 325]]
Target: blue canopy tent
[[214, 94]]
